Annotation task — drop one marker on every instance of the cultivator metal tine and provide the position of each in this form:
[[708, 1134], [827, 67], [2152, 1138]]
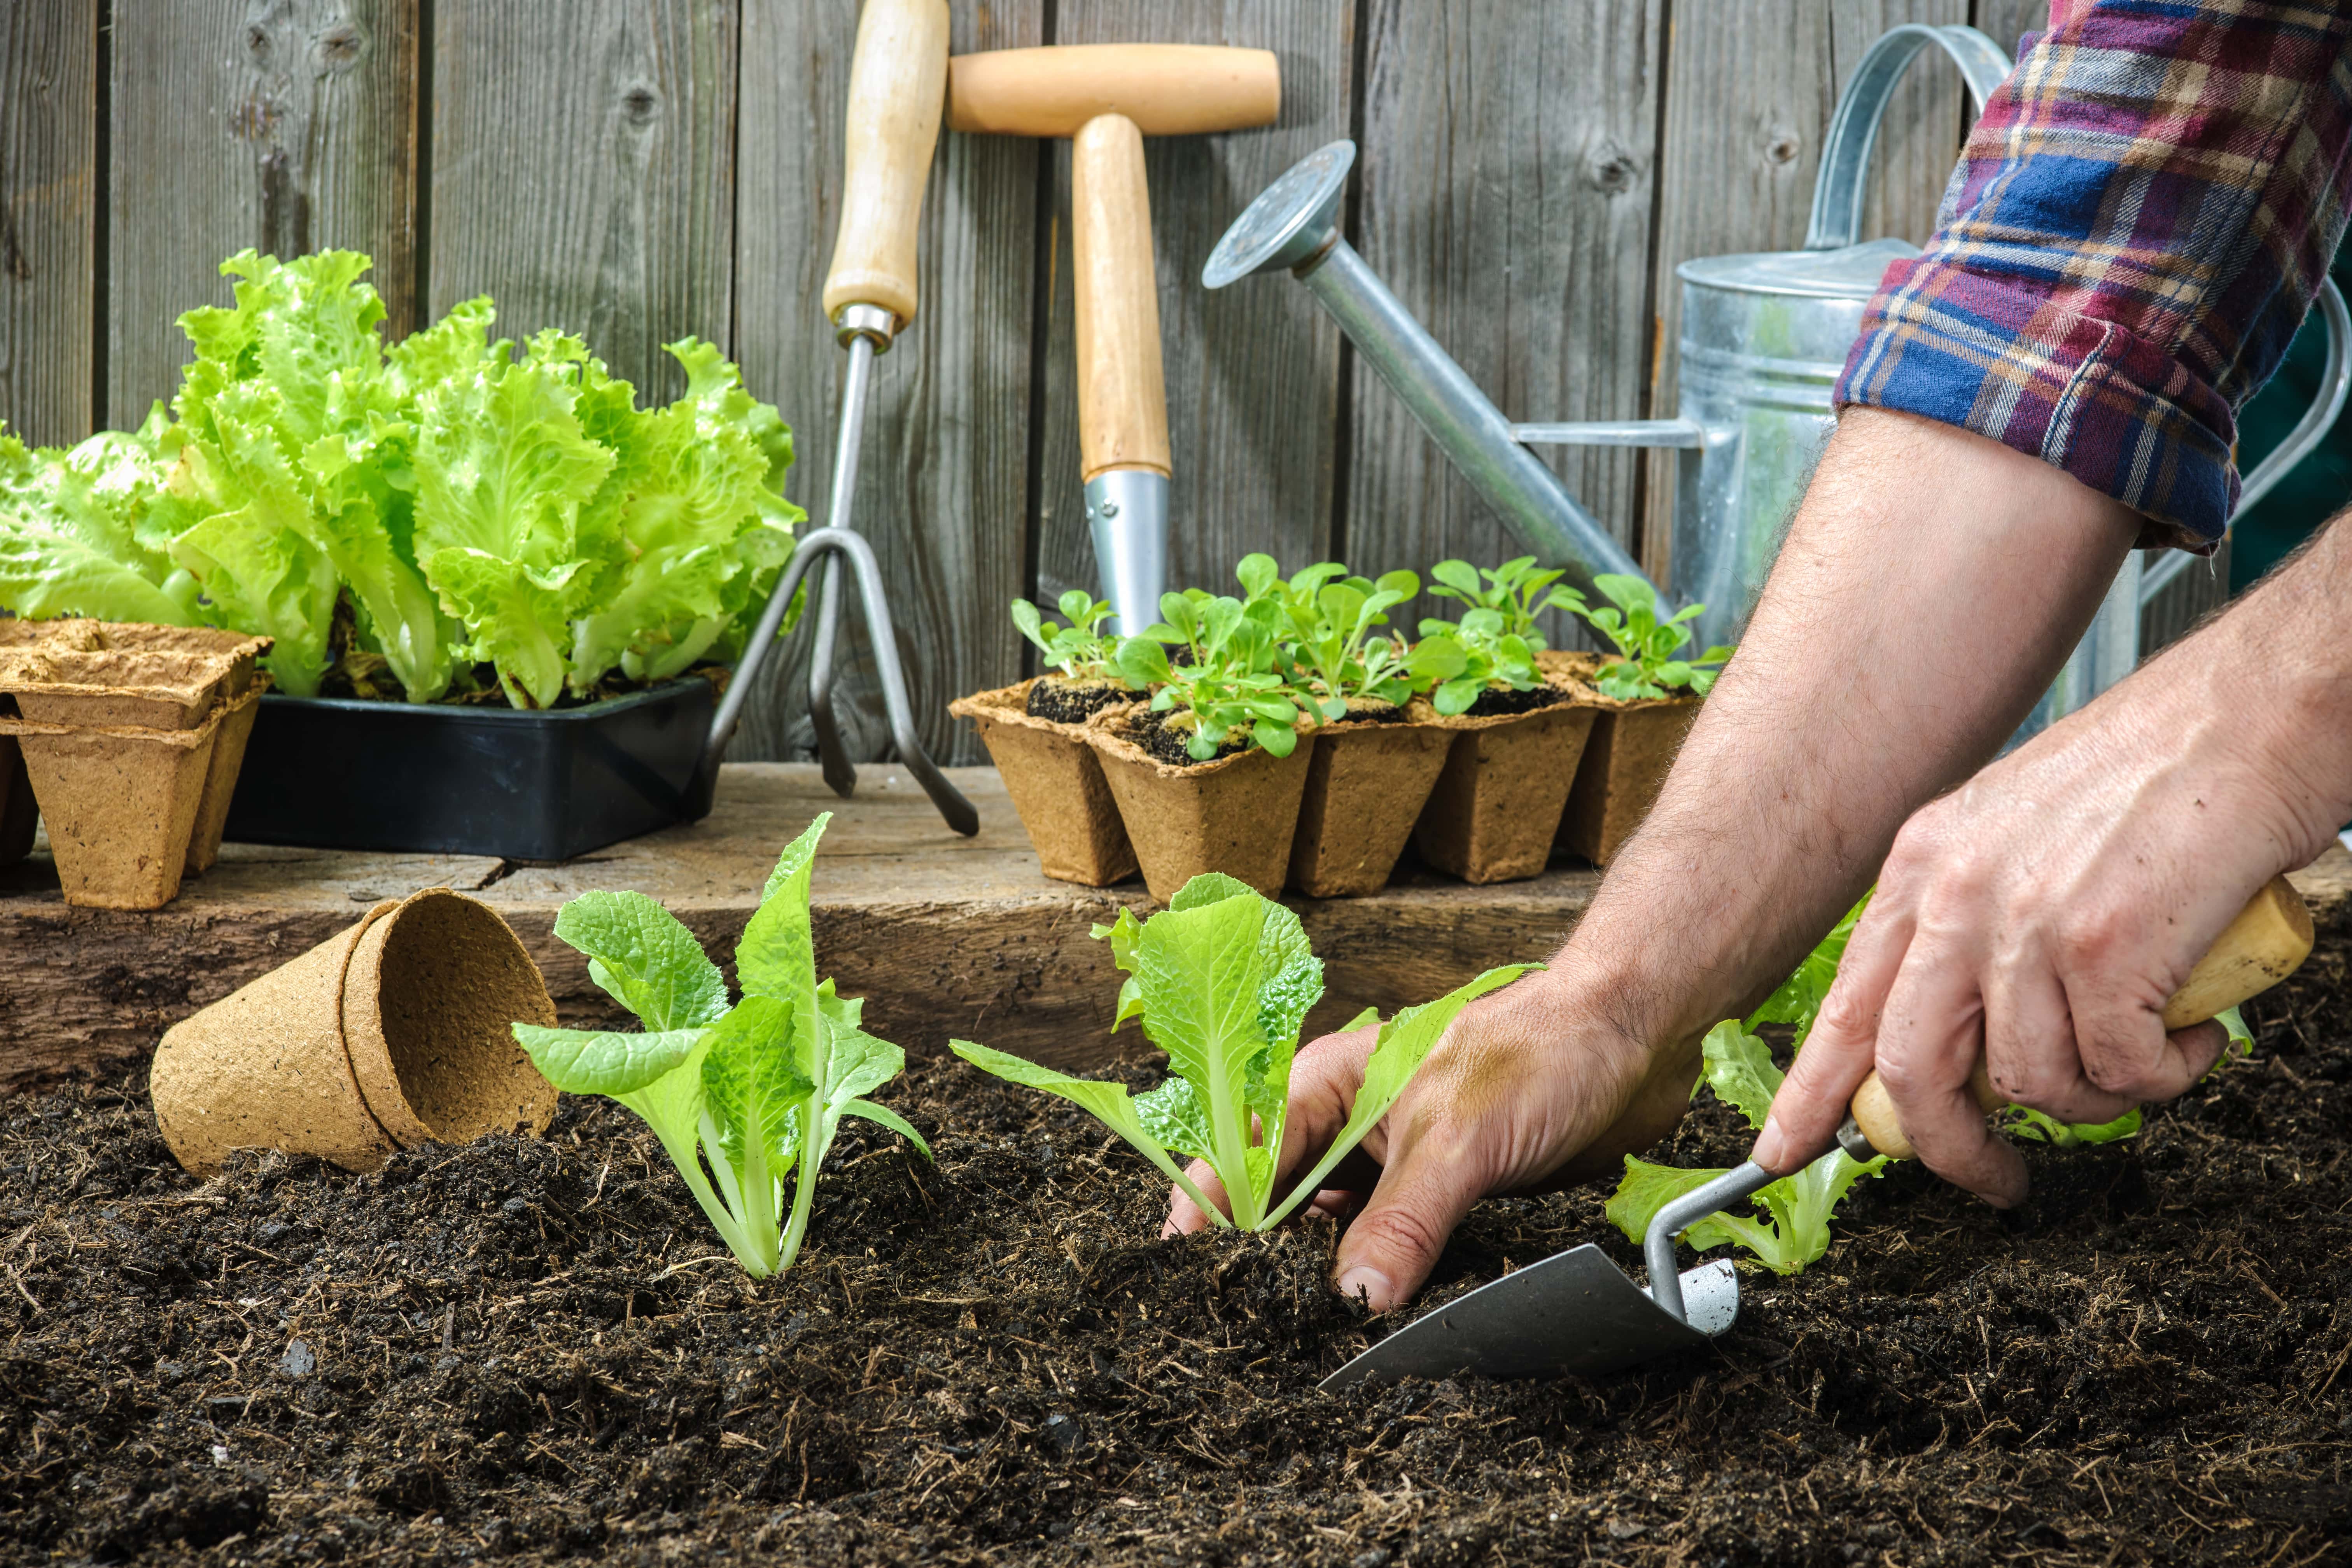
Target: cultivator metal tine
[[957, 811]]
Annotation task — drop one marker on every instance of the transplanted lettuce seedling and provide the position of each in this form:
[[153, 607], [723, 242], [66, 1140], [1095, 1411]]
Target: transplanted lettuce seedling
[[1081, 651], [757, 1090], [1222, 979], [1794, 1228], [1645, 665]]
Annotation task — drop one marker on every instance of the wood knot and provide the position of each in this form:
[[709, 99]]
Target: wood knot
[[340, 46], [640, 103], [1612, 170], [1783, 148], [257, 43]]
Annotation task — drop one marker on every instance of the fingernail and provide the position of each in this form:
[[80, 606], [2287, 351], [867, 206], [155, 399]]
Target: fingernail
[[1767, 1152], [1368, 1285]]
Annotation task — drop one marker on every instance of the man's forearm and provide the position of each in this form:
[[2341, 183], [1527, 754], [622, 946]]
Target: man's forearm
[[1932, 585]]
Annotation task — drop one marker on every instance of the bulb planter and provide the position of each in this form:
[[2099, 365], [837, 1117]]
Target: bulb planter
[[394, 1034], [1497, 804], [1236, 814], [1625, 762], [1367, 782], [1056, 783]]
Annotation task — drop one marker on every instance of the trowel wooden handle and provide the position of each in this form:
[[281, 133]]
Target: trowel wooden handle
[[1122, 392], [1168, 89], [2266, 942], [898, 86]]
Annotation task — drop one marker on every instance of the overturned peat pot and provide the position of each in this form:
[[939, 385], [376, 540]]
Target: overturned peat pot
[[535, 1350]]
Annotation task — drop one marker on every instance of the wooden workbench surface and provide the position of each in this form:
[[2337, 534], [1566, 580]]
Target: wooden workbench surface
[[944, 936]]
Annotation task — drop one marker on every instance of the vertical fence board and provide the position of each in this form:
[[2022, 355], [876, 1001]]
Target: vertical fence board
[[584, 171], [287, 125], [1750, 87], [1253, 371], [943, 479], [49, 208], [2007, 21], [1505, 195]]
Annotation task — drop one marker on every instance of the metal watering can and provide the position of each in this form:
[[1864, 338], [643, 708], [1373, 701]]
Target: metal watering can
[[1764, 337]]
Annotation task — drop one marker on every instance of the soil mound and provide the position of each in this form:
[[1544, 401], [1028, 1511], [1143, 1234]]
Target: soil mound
[[536, 1350]]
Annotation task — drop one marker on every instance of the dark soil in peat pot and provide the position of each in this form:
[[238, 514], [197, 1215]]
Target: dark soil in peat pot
[[1151, 731], [1497, 700], [535, 1350], [1074, 703]]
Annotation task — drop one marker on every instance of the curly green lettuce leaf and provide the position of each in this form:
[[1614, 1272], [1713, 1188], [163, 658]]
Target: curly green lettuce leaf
[[72, 533]]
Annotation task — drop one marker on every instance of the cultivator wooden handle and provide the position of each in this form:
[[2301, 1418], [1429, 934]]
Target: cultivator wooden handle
[[2266, 942], [898, 88]]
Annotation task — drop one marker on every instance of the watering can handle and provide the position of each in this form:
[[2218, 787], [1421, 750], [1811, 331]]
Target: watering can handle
[[1843, 180]]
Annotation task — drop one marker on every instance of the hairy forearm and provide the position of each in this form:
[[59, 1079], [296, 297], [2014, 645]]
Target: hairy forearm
[[1932, 584]]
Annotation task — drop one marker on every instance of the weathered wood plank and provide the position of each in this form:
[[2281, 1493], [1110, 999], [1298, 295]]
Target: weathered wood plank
[[583, 158], [2007, 21], [48, 211], [1750, 87], [287, 125], [942, 935], [944, 482], [1506, 183], [1253, 372]]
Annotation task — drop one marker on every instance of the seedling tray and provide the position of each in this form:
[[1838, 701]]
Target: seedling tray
[[440, 779]]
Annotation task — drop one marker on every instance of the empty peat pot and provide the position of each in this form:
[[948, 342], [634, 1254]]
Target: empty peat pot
[[394, 1034]]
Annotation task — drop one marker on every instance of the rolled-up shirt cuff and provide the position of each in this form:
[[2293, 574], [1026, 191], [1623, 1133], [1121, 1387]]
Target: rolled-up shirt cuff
[[2007, 360]]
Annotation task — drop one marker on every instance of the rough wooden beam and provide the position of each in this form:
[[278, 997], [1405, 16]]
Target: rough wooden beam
[[943, 936]]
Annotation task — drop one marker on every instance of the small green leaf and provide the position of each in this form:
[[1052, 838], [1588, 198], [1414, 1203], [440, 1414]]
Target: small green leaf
[[607, 1062], [644, 958]]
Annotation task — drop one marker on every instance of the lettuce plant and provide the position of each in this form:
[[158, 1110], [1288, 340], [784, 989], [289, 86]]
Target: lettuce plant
[[1794, 1229], [1081, 651], [1222, 980], [1228, 680], [1645, 665], [454, 502], [1330, 639], [1516, 591], [1478, 655], [756, 1090]]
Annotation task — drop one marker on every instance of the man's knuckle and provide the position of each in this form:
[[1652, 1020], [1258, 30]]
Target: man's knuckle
[[1399, 1228]]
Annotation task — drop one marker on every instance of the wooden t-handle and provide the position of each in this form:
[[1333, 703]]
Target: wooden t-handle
[[898, 86], [1122, 392], [2266, 942]]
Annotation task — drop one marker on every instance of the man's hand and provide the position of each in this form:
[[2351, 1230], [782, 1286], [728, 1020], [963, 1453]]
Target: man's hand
[[1931, 585], [1527, 1091], [2043, 915]]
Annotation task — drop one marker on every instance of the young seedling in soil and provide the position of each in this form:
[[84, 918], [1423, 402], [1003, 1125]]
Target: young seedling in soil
[[758, 1089], [1228, 688], [1328, 637], [1645, 665], [1080, 653], [1222, 979], [1794, 1229], [1516, 591]]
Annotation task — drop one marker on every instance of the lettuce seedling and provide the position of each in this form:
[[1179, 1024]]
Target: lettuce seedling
[[1229, 679], [1516, 591], [1081, 651], [757, 1090], [1794, 1228], [2024, 1122], [1475, 655], [1222, 979], [1645, 665]]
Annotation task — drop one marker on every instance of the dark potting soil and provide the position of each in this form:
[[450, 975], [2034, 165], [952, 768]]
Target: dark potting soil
[[1496, 701], [1074, 703], [535, 1350], [1373, 711], [1162, 745]]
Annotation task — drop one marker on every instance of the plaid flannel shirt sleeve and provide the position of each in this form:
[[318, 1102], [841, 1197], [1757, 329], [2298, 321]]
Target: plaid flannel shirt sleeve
[[2136, 225]]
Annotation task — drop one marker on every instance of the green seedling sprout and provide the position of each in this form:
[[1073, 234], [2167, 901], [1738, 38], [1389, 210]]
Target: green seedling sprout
[[1222, 980], [1516, 591], [756, 1090], [1645, 665], [1080, 650], [1331, 633], [1794, 1228], [1229, 677]]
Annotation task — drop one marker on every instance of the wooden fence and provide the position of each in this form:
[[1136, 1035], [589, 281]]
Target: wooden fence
[[1531, 172]]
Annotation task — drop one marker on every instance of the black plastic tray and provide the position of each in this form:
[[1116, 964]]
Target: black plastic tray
[[435, 778]]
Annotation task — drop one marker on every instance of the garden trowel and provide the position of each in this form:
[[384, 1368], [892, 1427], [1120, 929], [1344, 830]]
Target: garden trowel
[[1576, 1312]]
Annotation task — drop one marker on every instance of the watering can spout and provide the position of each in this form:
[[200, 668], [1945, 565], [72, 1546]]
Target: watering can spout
[[1294, 225]]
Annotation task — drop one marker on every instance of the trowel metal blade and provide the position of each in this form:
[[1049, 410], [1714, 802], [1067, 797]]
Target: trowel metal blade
[[1574, 1311]]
